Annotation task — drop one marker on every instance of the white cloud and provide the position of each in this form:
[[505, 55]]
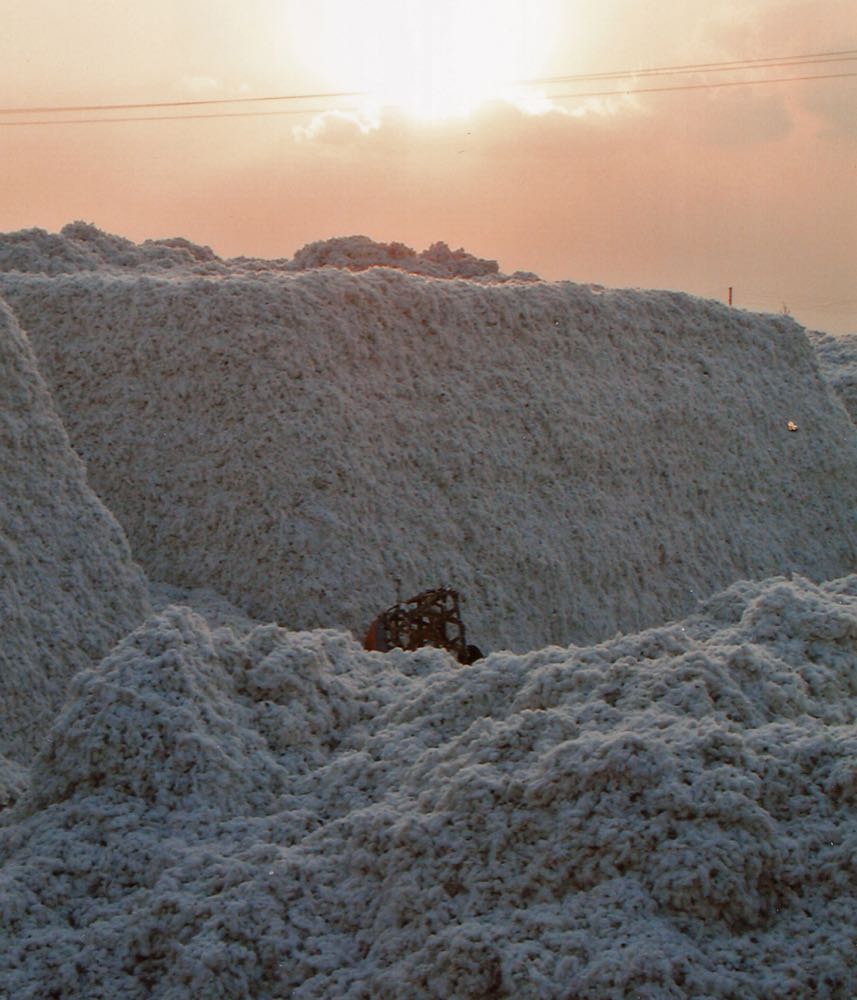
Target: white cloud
[[336, 127]]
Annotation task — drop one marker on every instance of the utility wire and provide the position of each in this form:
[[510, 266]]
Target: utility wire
[[760, 63], [751, 64], [772, 62], [174, 118], [56, 109], [697, 86]]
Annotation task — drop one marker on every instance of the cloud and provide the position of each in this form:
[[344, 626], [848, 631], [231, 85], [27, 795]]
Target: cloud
[[502, 129], [497, 127], [336, 128], [805, 26]]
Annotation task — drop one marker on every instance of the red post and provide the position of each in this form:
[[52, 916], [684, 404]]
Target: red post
[[730, 295]]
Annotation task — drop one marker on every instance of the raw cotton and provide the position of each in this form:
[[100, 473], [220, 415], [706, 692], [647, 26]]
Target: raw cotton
[[837, 358], [266, 814], [574, 461], [82, 247], [69, 589]]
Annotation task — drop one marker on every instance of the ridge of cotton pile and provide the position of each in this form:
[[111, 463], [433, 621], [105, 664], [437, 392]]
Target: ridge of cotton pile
[[837, 358], [574, 461], [81, 247], [69, 589], [273, 814]]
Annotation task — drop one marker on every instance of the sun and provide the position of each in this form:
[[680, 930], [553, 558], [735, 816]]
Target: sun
[[429, 58]]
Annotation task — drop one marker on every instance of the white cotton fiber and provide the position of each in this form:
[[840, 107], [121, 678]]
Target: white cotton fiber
[[225, 809], [265, 814], [837, 358], [81, 247], [357, 253], [574, 461], [68, 586]]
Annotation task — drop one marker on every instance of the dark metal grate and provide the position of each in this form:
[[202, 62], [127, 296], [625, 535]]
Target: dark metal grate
[[432, 618]]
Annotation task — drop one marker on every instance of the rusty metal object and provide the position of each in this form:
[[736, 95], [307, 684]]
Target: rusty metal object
[[431, 618]]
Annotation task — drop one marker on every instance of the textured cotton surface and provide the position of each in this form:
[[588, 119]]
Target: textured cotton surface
[[837, 357], [276, 814], [575, 461], [229, 809], [82, 247], [68, 586]]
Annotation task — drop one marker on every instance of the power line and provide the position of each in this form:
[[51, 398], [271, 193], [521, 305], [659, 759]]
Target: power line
[[698, 86], [768, 62], [842, 55], [174, 118], [751, 64], [57, 109]]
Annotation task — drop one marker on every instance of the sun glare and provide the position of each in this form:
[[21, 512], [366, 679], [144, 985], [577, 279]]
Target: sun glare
[[430, 58]]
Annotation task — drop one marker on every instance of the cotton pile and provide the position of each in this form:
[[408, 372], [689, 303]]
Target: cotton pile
[[69, 589], [309, 443], [196, 801], [83, 247], [837, 358], [281, 814]]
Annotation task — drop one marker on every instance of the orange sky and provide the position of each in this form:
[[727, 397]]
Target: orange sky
[[754, 187]]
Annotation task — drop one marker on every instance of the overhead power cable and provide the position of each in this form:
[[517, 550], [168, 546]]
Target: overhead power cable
[[772, 62], [759, 63], [174, 118], [144, 105], [698, 86], [817, 58]]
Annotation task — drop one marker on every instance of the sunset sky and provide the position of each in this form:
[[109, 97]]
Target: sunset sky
[[458, 133]]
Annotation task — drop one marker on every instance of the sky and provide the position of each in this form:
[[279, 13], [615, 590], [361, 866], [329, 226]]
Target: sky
[[450, 125]]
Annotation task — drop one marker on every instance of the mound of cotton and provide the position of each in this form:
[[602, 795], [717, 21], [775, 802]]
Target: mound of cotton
[[669, 814], [357, 253], [82, 247], [837, 357], [575, 461], [68, 587]]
